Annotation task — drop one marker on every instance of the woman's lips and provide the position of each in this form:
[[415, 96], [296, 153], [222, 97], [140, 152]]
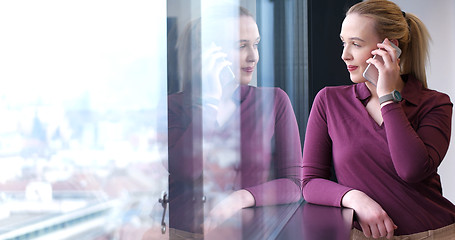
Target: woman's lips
[[248, 69], [352, 68]]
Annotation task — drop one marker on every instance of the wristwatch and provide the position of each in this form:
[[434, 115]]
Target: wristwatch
[[395, 96]]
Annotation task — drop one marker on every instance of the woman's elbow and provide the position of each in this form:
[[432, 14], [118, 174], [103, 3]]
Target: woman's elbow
[[413, 176]]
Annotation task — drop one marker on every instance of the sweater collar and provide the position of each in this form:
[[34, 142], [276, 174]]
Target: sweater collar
[[241, 93], [409, 93]]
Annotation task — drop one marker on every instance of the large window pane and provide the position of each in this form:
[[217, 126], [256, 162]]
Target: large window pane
[[83, 132], [86, 146], [228, 137]]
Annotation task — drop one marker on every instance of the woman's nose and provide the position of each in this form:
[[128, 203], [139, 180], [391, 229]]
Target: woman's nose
[[253, 55], [345, 55]]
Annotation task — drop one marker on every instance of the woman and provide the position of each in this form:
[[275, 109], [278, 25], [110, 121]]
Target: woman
[[385, 146], [251, 144]]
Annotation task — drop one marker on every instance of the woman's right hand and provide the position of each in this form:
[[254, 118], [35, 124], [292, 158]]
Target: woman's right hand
[[213, 62], [373, 219]]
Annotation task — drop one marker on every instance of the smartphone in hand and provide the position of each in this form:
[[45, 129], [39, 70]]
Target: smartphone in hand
[[371, 73], [227, 73]]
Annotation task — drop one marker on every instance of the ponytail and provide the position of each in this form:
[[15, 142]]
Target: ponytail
[[415, 57]]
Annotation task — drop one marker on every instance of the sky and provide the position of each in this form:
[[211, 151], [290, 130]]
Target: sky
[[55, 51]]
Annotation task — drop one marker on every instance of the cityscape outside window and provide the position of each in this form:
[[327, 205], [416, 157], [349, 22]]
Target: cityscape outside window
[[83, 128], [84, 145]]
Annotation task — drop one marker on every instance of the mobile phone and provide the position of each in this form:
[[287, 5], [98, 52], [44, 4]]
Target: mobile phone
[[371, 73], [227, 73]]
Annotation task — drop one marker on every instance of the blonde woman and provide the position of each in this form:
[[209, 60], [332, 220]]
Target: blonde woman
[[384, 140]]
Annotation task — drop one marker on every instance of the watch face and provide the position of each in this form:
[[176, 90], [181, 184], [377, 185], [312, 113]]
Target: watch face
[[396, 96]]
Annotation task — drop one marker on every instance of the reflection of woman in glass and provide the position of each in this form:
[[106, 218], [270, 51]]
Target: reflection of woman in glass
[[251, 131], [385, 146]]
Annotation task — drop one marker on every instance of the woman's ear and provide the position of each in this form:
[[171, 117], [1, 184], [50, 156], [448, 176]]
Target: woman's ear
[[394, 41]]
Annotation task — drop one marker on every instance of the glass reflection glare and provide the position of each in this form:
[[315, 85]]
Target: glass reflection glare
[[83, 133], [231, 145]]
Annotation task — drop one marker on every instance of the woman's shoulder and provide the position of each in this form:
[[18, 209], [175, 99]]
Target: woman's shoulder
[[432, 98], [336, 92], [264, 89], [417, 94], [269, 97], [338, 89], [436, 95], [276, 92], [279, 91]]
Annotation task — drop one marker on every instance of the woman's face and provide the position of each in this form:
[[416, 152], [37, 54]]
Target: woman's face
[[246, 50], [359, 39]]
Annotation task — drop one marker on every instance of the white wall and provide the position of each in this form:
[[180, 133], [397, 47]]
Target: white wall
[[439, 17]]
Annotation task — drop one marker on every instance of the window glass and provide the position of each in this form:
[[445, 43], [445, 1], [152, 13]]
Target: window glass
[[233, 145], [83, 132], [147, 119]]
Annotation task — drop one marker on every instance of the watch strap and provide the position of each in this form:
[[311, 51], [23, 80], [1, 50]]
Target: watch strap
[[386, 98]]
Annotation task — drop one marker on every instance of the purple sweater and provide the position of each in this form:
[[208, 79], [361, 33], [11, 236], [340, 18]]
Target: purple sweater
[[395, 163], [270, 158]]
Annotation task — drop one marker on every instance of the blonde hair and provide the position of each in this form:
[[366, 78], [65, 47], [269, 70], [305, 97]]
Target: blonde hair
[[392, 23]]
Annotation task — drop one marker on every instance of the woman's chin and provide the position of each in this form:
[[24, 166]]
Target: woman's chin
[[245, 80], [357, 79]]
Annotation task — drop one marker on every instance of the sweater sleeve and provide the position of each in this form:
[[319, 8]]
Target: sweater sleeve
[[418, 151], [317, 158], [287, 158]]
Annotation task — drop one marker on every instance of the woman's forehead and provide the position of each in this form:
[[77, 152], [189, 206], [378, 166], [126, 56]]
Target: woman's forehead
[[230, 32], [248, 27], [358, 26]]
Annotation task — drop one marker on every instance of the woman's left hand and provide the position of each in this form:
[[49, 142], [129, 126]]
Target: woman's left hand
[[373, 219], [227, 208], [389, 69]]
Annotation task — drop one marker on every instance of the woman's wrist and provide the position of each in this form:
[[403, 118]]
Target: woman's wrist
[[386, 103], [349, 199], [245, 198]]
